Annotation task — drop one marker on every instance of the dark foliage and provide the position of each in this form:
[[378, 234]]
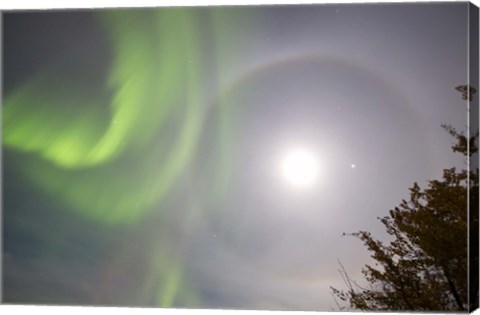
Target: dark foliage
[[426, 265]]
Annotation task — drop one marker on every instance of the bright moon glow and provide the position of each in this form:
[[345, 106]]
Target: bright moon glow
[[300, 168]]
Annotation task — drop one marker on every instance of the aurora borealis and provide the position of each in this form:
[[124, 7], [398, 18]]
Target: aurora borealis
[[140, 147]]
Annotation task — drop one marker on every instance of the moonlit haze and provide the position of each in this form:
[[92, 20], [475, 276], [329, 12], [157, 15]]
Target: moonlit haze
[[214, 157]]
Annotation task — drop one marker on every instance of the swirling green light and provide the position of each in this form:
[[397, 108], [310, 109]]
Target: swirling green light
[[113, 152], [114, 164]]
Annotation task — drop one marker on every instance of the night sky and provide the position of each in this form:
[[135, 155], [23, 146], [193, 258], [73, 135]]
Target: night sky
[[213, 157]]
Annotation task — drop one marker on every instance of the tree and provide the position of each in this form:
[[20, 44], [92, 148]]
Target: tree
[[426, 265]]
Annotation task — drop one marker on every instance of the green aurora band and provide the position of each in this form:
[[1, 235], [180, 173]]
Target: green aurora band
[[81, 149], [115, 164], [78, 145]]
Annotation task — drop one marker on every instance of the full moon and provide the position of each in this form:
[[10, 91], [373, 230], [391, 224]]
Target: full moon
[[300, 168]]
